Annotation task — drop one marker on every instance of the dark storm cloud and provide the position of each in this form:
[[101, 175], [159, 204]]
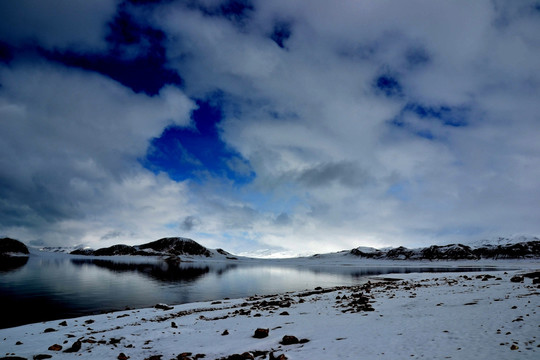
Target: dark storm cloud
[[344, 173], [190, 223]]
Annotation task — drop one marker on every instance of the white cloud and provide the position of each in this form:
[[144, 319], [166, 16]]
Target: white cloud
[[69, 150], [321, 139], [313, 104]]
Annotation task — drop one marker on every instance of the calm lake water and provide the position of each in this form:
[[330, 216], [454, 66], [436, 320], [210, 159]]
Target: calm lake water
[[49, 288]]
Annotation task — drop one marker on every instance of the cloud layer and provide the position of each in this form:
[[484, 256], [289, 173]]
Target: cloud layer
[[352, 123]]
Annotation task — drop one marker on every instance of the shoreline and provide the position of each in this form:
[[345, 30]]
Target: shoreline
[[430, 315]]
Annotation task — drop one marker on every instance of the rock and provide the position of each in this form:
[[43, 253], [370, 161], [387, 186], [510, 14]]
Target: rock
[[514, 347], [122, 356], [74, 348], [163, 307], [261, 333], [13, 358], [280, 357], [173, 325], [48, 330], [154, 357], [225, 332], [63, 323], [42, 356], [55, 347], [244, 356], [517, 278], [18, 343], [289, 340]]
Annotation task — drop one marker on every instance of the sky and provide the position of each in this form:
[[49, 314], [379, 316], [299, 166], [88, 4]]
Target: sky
[[269, 128]]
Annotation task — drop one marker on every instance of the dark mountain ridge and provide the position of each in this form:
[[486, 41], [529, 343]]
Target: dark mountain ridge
[[165, 246], [521, 250]]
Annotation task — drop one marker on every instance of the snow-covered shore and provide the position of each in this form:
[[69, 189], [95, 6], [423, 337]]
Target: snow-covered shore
[[428, 315]]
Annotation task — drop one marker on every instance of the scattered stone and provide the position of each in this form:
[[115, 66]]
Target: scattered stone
[[225, 332], [284, 313], [89, 321], [42, 356], [154, 357], [516, 278], [18, 343], [122, 356], [514, 347], [244, 356], [48, 330], [63, 323], [261, 333], [289, 340], [114, 341], [163, 307], [74, 348], [55, 347], [173, 325], [280, 357]]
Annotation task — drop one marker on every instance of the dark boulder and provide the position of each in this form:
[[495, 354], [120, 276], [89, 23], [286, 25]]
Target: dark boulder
[[42, 356], [74, 348], [261, 333]]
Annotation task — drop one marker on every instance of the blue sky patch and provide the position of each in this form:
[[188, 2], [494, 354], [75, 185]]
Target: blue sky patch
[[281, 33], [388, 85], [198, 153], [448, 116], [136, 57]]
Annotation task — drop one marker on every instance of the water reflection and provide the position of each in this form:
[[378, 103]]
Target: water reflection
[[161, 271], [12, 263], [47, 288]]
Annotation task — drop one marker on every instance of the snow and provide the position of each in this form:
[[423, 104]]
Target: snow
[[501, 241], [426, 315]]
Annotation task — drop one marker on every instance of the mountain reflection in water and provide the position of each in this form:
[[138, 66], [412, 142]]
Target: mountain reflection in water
[[57, 287]]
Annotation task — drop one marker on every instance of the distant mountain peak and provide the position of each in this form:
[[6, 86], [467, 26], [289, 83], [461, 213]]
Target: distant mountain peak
[[498, 248]]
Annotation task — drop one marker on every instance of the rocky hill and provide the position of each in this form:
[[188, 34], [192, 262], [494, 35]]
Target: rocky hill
[[530, 248], [172, 246], [11, 247]]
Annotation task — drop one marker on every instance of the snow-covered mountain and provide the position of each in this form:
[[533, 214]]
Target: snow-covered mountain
[[498, 248], [515, 247], [171, 246]]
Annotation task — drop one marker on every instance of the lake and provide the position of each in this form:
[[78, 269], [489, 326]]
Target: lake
[[56, 287]]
